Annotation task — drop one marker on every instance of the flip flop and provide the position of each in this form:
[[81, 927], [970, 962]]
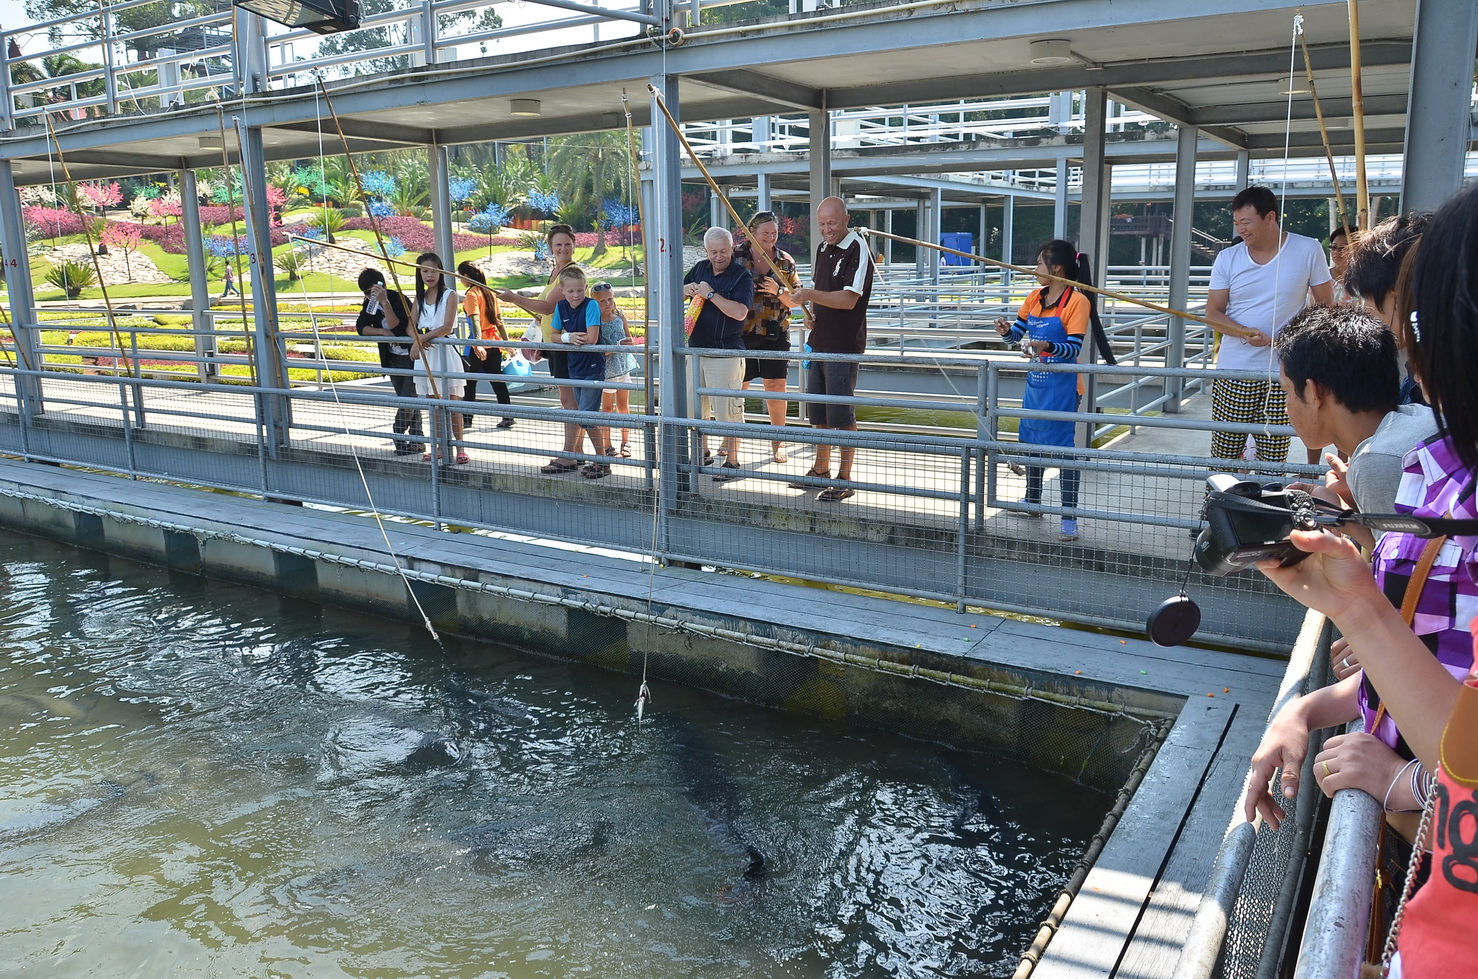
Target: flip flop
[[836, 494], [812, 474]]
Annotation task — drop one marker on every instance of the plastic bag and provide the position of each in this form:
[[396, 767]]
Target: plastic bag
[[518, 365]]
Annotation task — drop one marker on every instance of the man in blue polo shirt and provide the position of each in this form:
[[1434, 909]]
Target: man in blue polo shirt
[[727, 289]]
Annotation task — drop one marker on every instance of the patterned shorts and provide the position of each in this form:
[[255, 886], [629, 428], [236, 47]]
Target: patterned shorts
[[1251, 403]]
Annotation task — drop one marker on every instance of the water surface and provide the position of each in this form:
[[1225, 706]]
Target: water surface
[[202, 779]]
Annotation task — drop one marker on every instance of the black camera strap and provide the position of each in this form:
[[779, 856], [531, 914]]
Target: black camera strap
[[1401, 523]]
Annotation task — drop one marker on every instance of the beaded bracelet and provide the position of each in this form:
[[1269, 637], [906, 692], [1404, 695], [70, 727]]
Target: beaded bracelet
[[1386, 802]]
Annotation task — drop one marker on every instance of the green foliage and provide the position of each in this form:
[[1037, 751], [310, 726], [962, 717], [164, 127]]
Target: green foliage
[[330, 220], [72, 277], [290, 261]]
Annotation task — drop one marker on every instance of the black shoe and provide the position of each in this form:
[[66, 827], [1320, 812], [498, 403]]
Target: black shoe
[[505, 423], [406, 448], [466, 421], [731, 470]]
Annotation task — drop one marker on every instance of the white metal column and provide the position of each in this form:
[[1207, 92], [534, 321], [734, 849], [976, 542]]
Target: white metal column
[[1438, 108], [1180, 252]]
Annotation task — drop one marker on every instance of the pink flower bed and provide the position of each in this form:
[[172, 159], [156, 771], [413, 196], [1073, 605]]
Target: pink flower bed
[[54, 222], [416, 235]]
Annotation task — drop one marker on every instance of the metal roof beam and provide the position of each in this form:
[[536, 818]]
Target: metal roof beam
[[1200, 69], [1173, 110], [749, 82], [363, 131]]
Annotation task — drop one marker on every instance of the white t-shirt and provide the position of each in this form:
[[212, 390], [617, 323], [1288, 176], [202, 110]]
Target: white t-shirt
[[1265, 297]]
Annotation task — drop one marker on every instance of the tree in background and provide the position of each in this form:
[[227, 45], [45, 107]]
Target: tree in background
[[125, 235], [587, 169]]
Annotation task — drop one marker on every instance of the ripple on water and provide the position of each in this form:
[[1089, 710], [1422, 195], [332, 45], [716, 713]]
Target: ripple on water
[[202, 777]]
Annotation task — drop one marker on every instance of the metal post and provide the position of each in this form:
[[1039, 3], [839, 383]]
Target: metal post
[[888, 243], [110, 80], [1244, 170], [438, 162], [251, 52], [1180, 257], [762, 193], [1008, 236], [819, 146], [22, 300], [1438, 108], [1093, 220], [921, 231], [935, 208], [274, 411], [1059, 199], [205, 341], [664, 276], [7, 107]]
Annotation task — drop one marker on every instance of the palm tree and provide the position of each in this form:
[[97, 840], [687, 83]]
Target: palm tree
[[587, 168]]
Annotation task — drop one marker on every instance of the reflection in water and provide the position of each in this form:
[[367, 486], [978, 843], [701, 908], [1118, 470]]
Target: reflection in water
[[204, 778]]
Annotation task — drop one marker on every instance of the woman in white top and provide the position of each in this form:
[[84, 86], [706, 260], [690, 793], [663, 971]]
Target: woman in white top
[[436, 317]]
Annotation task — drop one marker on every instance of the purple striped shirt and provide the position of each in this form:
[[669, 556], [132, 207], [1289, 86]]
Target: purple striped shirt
[[1433, 484]]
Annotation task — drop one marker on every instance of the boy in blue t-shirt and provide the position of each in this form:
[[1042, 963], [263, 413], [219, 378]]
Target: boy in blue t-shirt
[[578, 319]]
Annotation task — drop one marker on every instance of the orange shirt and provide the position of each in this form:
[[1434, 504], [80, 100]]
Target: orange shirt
[[483, 311]]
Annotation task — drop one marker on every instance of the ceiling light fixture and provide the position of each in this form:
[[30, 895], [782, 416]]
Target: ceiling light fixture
[[524, 107], [1052, 51]]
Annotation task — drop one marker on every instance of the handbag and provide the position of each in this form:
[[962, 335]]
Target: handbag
[[517, 365]]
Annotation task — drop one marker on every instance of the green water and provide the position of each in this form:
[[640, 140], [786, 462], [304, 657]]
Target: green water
[[203, 779]]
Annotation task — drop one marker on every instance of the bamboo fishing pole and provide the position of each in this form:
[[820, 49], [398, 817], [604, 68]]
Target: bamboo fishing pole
[[1357, 108], [1182, 314], [414, 313], [1323, 129], [713, 184], [97, 266]]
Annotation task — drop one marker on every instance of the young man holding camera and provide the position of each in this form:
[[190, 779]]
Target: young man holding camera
[[1337, 368]]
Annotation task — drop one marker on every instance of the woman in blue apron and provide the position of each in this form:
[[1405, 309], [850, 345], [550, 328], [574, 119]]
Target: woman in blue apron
[[1049, 329]]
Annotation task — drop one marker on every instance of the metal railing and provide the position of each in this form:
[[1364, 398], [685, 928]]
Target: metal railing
[[931, 479]]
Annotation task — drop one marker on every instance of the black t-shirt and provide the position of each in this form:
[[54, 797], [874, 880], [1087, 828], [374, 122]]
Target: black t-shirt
[[847, 265], [391, 354]]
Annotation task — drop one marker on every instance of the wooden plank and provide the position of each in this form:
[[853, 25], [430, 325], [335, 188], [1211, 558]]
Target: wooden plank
[[1155, 948], [1093, 935]]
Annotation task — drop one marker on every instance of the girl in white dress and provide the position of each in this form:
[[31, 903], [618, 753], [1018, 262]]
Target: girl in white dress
[[436, 317]]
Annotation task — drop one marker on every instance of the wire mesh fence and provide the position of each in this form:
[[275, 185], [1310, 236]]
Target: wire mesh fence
[[930, 496]]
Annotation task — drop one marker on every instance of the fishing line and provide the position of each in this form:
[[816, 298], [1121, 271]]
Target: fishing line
[[334, 387]]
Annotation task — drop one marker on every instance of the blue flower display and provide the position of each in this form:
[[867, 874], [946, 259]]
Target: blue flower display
[[545, 203]]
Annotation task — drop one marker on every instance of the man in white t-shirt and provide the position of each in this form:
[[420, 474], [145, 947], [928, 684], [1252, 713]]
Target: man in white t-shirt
[[1257, 286]]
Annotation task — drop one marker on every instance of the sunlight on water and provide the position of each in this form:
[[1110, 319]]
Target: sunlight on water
[[206, 779]]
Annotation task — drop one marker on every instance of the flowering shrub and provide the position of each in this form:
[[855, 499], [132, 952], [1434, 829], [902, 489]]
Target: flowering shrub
[[38, 196], [377, 183], [167, 206], [171, 237], [414, 234], [122, 234], [55, 222], [224, 246], [381, 208], [546, 203], [101, 195], [489, 219], [394, 247], [460, 189]]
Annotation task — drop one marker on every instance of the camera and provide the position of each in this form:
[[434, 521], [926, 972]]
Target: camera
[[1247, 522]]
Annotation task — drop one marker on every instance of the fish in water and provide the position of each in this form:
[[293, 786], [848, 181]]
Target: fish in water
[[704, 778], [72, 806]]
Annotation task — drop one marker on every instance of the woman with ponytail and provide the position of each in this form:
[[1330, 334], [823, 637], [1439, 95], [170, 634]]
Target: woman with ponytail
[[1050, 328]]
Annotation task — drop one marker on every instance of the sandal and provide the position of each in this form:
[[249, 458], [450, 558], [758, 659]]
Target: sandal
[[626, 450], [596, 470], [731, 470], [463, 458], [836, 494], [556, 467], [811, 474], [777, 452]]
